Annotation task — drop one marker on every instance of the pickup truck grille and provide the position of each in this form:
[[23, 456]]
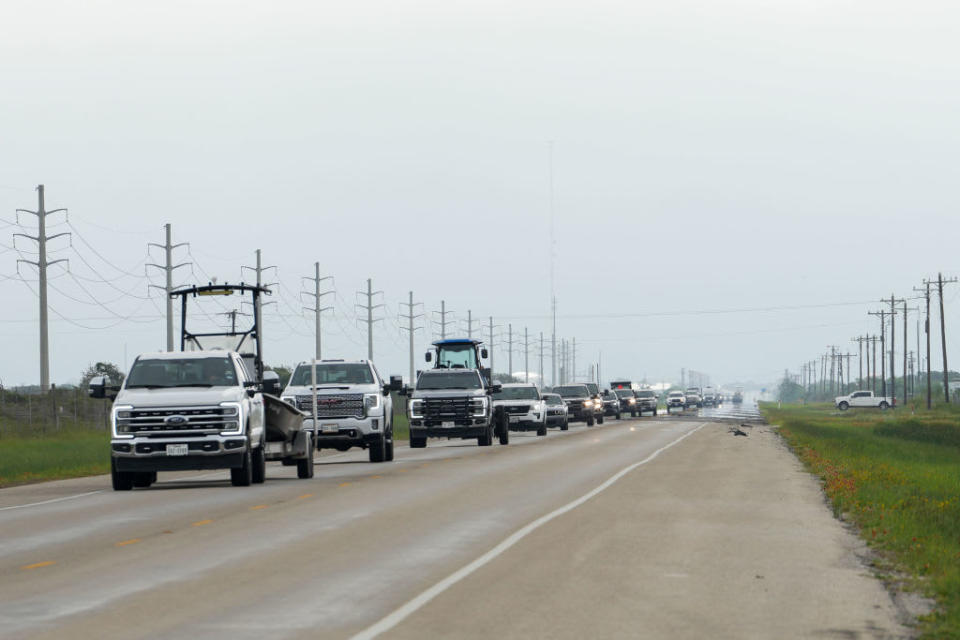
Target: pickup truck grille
[[521, 408], [342, 405], [446, 408], [178, 420]]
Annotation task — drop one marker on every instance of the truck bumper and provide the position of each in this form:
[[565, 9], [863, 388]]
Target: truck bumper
[[150, 454], [337, 433], [456, 431], [179, 463]]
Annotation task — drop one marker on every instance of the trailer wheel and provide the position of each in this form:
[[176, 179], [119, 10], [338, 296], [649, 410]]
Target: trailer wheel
[[122, 480], [566, 424], [242, 476], [599, 419], [305, 466], [258, 472]]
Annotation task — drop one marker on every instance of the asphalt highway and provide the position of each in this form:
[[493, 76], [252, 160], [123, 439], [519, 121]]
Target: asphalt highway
[[647, 527]]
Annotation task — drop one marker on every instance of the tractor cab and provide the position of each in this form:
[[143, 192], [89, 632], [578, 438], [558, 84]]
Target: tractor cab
[[459, 353]]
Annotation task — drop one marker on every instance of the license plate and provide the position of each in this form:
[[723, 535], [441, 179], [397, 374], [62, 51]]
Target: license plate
[[177, 449], [514, 418], [448, 425], [328, 428]]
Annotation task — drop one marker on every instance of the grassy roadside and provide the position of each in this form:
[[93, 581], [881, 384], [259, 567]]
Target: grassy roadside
[[70, 453], [896, 475]]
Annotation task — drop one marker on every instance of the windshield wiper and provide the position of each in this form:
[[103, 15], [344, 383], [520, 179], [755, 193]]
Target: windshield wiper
[[146, 386], [193, 384]]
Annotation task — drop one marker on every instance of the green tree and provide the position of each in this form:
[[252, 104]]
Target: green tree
[[284, 372]]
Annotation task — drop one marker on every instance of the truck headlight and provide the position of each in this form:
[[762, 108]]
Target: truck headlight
[[631, 401], [371, 401], [415, 408], [119, 421], [478, 407], [233, 414], [588, 403]]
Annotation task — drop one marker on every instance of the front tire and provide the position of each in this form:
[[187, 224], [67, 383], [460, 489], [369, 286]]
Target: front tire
[[377, 450], [389, 448], [144, 479], [599, 419], [542, 429], [590, 421], [843, 406], [242, 476], [121, 480], [884, 406], [566, 425], [486, 439], [259, 469], [418, 443]]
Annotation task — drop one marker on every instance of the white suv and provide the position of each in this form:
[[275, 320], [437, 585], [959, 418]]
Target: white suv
[[354, 407], [523, 406]]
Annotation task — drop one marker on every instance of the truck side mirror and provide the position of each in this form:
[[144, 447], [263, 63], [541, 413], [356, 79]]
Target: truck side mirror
[[483, 353], [428, 357], [495, 388], [271, 383], [404, 391], [396, 383], [98, 387]]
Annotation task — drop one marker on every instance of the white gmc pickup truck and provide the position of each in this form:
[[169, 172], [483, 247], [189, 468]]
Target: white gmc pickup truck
[[863, 399]]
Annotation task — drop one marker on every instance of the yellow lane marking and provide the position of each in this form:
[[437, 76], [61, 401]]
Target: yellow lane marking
[[344, 484], [375, 477], [126, 542], [200, 523], [259, 506], [37, 565], [306, 495]]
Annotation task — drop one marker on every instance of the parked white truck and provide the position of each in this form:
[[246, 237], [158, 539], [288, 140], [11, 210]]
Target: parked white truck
[[859, 399]]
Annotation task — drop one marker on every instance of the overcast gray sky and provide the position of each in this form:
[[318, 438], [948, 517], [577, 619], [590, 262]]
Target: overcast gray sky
[[707, 156]]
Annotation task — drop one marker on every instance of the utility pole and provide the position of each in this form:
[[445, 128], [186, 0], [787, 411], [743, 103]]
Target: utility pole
[[317, 308], [883, 356], [541, 360], [41, 264], [867, 353], [833, 369], [369, 307], [553, 338], [893, 334], [526, 356], [233, 318], [573, 367], [926, 329], [873, 342], [509, 349], [258, 302], [491, 328], [168, 267], [905, 337], [470, 323], [943, 337], [411, 328], [859, 341], [443, 319]]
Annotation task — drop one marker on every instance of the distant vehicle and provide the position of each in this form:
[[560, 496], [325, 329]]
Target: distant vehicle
[[710, 397], [693, 398], [353, 404], [628, 401], [646, 401], [556, 411], [676, 400], [859, 399], [579, 403], [523, 406], [737, 397], [598, 411], [611, 404], [450, 403]]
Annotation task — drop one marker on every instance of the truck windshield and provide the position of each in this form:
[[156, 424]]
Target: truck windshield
[[592, 386], [429, 380], [516, 393], [552, 399], [651, 394], [457, 356], [624, 393], [158, 373], [575, 391], [333, 373]]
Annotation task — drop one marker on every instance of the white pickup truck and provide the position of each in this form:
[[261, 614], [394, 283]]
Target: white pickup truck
[[863, 399]]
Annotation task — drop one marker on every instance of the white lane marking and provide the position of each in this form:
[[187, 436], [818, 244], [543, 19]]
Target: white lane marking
[[401, 614], [37, 504]]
